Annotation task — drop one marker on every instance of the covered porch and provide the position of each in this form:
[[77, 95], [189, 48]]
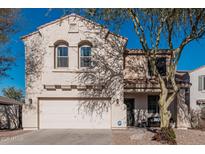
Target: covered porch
[[143, 108], [141, 100]]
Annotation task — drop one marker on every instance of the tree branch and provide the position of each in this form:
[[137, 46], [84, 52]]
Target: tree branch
[[192, 36], [139, 29]]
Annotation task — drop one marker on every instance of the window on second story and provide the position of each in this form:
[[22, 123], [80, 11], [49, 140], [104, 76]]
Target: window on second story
[[161, 66], [62, 59], [85, 56], [201, 83]]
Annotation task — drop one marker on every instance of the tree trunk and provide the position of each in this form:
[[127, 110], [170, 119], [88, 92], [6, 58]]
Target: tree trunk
[[164, 102], [165, 115]]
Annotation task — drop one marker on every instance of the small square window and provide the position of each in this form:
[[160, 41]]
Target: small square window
[[161, 66]]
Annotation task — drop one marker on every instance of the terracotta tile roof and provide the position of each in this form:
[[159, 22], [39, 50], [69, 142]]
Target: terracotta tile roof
[[141, 51], [182, 77]]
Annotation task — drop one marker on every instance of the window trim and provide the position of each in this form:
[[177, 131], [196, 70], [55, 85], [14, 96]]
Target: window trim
[[56, 56], [203, 83], [157, 106], [79, 59], [164, 60]]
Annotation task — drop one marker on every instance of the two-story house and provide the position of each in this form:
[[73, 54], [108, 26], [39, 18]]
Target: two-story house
[[80, 75]]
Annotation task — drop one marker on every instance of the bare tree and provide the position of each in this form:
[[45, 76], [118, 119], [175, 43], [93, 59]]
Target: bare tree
[[172, 29], [13, 93], [188, 24], [7, 21], [34, 59]]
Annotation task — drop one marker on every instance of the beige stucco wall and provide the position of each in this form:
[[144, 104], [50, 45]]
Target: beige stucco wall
[[141, 106], [107, 50], [195, 94]]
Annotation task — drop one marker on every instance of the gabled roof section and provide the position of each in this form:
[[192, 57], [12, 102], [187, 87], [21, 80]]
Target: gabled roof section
[[202, 67], [65, 17]]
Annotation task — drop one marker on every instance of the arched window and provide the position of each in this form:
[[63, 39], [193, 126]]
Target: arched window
[[85, 50], [61, 55]]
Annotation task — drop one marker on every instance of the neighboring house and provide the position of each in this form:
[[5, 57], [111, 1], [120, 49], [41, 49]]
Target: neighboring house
[[197, 90], [10, 113], [80, 75]]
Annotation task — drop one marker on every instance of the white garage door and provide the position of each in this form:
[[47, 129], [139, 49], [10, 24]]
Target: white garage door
[[73, 114]]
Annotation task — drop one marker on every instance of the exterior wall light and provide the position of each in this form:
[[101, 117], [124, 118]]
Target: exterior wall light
[[117, 101], [30, 101]]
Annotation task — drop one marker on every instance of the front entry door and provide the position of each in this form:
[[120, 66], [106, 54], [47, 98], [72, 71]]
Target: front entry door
[[130, 113]]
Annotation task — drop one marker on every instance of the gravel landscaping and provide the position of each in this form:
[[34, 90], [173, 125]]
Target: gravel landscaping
[[190, 136], [12, 134], [132, 136], [141, 136]]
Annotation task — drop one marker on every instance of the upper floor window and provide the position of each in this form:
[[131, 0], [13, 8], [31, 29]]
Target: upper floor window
[[202, 83], [85, 54], [161, 66], [61, 54]]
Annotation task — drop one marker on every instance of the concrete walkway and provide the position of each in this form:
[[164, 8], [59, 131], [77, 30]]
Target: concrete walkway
[[62, 137]]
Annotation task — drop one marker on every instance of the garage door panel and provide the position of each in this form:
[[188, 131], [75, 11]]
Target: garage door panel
[[68, 114], [53, 107]]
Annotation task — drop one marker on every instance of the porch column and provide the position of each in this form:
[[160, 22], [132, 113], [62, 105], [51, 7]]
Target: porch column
[[183, 118]]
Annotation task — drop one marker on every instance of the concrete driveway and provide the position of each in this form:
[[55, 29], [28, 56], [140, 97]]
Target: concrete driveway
[[63, 137]]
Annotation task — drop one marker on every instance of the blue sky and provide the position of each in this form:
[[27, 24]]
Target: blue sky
[[193, 55]]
